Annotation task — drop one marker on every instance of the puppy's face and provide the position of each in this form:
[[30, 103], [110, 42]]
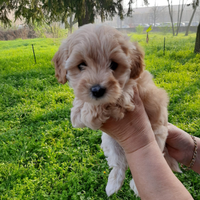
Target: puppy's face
[[98, 61]]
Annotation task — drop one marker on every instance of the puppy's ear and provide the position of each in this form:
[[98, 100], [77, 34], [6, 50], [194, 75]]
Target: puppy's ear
[[59, 60], [137, 60]]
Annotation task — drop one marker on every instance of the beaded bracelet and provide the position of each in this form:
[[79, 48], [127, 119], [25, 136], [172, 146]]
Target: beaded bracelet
[[193, 157]]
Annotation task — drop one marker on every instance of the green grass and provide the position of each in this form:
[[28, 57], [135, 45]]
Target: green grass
[[42, 156]]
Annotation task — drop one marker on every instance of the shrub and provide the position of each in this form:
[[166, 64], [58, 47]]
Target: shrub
[[53, 30], [12, 34], [139, 29]]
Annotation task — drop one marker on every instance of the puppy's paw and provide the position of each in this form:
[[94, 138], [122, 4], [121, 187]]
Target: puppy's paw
[[115, 180], [77, 124], [117, 112], [130, 107], [173, 164], [76, 114], [133, 187], [76, 121], [94, 123]]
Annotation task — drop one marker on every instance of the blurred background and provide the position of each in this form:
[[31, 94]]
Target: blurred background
[[49, 18]]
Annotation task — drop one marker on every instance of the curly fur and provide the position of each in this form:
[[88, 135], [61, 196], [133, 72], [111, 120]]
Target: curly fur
[[97, 46]]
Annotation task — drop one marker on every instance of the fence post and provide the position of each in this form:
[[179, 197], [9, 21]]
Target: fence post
[[34, 53], [164, 47]]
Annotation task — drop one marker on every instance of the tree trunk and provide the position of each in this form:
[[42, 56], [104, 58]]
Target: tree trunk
[[197, 43], [188, 27], [154, 22], [85, 19], [180, 18], [171, 17], [70, 22]]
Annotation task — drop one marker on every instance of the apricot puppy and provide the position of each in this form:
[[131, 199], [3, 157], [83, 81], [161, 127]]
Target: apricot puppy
[[103, 67]]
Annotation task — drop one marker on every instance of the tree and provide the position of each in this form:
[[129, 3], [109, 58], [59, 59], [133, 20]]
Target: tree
[[51, 10], [155, 12], [31, 11], [195, 4], [72, 21], [104, 8], [170, 7], [197, 42], [5, 9], [181, 7]]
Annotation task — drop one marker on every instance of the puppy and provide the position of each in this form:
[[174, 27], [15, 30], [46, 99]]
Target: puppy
[[103, 67]]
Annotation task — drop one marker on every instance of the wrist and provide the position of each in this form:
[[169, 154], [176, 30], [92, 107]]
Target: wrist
[[192, 160], [189, 152], [148, 165], [138, 141], [196, 166], [142, 155]]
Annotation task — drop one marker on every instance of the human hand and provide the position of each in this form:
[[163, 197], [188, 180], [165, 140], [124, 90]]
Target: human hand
[[134, 130], [180, 145]]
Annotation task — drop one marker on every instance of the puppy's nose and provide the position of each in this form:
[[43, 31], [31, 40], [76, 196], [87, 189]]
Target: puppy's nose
[[97, 91]]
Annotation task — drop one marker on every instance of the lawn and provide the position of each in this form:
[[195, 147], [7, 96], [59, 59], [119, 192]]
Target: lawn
[[42, 156]]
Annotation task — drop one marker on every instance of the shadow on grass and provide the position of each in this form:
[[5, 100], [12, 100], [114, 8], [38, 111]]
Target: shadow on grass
[[181, 57], [42, 72], [190, 90], [184, 107]]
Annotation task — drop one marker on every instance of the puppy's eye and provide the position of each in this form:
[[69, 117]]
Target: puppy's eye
[[113, 65], [81, 66]]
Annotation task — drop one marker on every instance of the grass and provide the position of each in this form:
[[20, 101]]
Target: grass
[[42, 156]]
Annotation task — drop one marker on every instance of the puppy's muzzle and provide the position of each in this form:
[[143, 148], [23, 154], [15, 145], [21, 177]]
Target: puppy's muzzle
[[97, 91]]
